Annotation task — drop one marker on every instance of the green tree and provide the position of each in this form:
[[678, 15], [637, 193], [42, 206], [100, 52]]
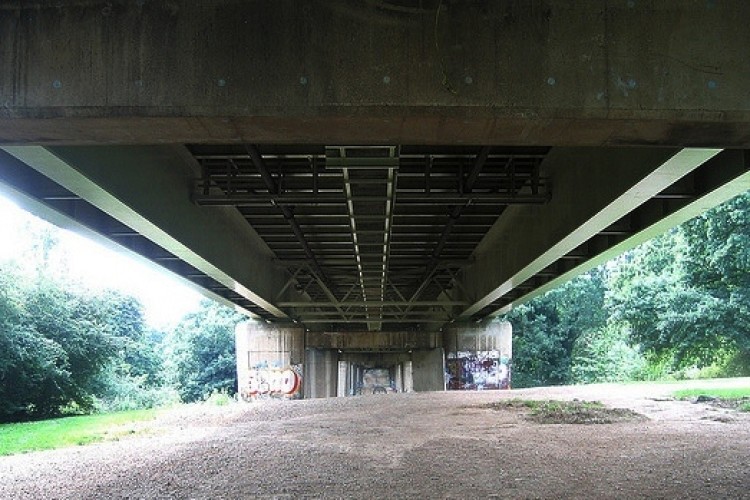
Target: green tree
[[202, 352], [685, 294], [547, 328], [605, 355], [52, 344], [65, 348], [73, 322], [717, 266], [133, 378]]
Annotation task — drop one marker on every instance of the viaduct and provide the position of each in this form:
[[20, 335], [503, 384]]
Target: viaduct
[[373, 182]]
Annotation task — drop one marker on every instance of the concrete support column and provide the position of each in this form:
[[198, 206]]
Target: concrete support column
[[342, 386], [321, 373], [479, 357], [269, 360], [408, 377]]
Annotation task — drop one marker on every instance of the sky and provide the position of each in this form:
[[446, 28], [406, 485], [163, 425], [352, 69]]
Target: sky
[[165, 297]]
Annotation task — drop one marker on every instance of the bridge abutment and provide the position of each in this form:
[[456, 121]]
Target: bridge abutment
[[289, 362]]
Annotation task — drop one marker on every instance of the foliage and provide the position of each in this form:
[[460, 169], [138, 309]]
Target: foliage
[[201, 352], [54, 342], [677, 306], [685, 294], [717, 264], [134, 377], [605, 355], [64, 349], [69, 431], [546, 330], [219, 398]]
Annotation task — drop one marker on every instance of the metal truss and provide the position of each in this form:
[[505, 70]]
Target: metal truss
[[370, 235]]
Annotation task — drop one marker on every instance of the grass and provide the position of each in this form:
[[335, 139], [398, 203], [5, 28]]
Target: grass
[[728, 393], [70, 431], [567, 412], [735, 397]]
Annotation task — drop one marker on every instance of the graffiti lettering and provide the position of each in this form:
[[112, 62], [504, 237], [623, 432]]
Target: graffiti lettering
[[273, 381]]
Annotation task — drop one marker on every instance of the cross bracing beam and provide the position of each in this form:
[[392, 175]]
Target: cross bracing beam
[[436, 321], [384, 303], [336, 199]]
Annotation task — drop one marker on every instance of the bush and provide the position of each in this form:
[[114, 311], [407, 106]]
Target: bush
[[219, 398], [737, 364], [605, 356], [118, 390]]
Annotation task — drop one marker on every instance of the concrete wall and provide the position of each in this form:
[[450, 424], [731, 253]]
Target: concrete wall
[[513, 72], [374, 341], [334, 364], [401, 353]]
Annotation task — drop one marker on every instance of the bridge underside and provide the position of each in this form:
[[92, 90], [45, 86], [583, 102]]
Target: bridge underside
[[374, 166], [372, 238]]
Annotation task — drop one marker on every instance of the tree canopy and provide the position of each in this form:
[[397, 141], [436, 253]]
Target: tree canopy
[[678, 301], [67, 349]]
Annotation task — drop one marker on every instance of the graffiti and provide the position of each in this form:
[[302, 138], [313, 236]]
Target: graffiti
[[478, 371], [375, 381], [265, 381]]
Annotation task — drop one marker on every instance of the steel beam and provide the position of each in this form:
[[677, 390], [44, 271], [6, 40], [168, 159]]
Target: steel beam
[[717, 180], [375, 303], [273, 189], [384, 320], [410, 198], [147, 189], [524, 241]]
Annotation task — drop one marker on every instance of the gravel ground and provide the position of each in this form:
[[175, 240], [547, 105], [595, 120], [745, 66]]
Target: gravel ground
[[429, 445]]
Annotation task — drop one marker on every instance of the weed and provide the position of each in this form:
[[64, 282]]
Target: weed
[[567, 412], [219, 398]]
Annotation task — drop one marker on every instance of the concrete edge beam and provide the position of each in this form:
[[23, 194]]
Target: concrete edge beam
[[548, 72], [733, 180], [623, 179], [39, 208], [148, 189]]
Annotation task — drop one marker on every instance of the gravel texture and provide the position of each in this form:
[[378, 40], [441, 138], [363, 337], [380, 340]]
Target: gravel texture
[[429, 445]]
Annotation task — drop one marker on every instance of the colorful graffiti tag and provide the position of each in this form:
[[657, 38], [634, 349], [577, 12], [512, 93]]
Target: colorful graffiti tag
[[477, 371], [375, 381], [265, 381]]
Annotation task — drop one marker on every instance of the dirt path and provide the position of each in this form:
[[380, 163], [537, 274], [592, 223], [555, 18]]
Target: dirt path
[[430, 445]]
